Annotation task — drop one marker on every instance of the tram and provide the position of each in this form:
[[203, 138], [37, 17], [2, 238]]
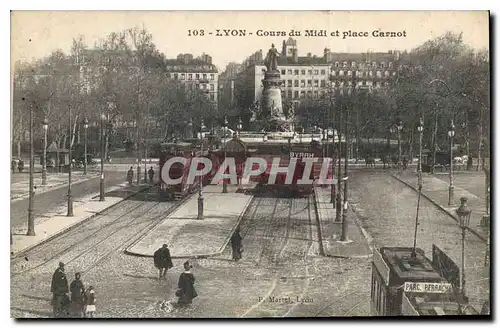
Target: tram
[[401, 277]]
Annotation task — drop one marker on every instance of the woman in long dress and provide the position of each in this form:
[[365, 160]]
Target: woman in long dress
[[236, 244], [186, 291]]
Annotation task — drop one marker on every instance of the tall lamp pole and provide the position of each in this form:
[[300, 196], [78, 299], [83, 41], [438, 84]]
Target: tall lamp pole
[[201, 137], [451, 134], [70, 199], [463, 213], [44, 167], [31, 219], [101, 182], [86, 127], [343, 236], [224, 182], [420, 129], [338, 204], [399, 127]]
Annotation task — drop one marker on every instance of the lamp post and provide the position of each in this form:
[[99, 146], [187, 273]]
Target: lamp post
[[145, 161], [463, 213], [31, 219], [420, 129], [392, 130], [70, 200], [239, 127], [201, 137], [399, 127], [85, 126], [451, 134], [343, 236], [101, 181], [44, 167], [224, 182]]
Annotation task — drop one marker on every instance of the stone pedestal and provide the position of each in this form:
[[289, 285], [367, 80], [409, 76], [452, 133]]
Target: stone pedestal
[[271, 95]]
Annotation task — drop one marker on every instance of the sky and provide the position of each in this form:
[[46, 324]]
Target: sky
[[36, 34]]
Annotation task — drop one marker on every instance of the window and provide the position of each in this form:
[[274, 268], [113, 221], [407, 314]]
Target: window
[[309, 83], [296, 83], [341, 73], [211, 86], [202, 86], [349, 73], [289, 83], [353, 64], [334, 73], [323, 83], [302, 83], [296, 72], [345, 64], [289, 93], [183, 76], [303, 72], [379, 74], [197, 76], [336, 64], [375, 83], [370, 73], [212, 76], [190, 76], [316, 94], [283, 72], [316, 72], [390, 64], [364, 83], [309, 93], [382, 65], [302, 94], [212, 96], [316, 83], [176, 76], [204, 76], [386, 73], [296, 94], [323, 72], [310, 72]]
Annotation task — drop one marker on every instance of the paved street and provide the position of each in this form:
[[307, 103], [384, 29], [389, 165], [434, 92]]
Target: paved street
[[473, 181], [58, 197]]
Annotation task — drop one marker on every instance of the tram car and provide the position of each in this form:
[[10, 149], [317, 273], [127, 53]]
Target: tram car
[[403, 282], [300, 152], [177, 170]]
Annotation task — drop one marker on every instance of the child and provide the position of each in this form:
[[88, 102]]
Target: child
[[90, 302]]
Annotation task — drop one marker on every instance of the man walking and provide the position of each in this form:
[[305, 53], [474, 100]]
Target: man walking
[[236, 244], [151, 174], [162, 261], [77, 291], [130, 175], [59, 288]]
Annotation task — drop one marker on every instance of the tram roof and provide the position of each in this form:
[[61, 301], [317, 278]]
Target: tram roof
[[400, 261], [432, 304]]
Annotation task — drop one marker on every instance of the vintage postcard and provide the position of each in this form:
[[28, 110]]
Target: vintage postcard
[[250, 164]]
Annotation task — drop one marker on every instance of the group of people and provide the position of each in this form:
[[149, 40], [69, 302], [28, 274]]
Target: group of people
[[82, 301], [130, 175]]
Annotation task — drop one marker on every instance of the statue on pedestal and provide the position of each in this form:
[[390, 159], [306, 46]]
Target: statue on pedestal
[[271, 60]]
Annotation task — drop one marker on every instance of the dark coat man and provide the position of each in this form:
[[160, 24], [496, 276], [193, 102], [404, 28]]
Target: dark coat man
[[151, 174], [130, 175], [186, 291], [77, 291], [236, 244], [163, 260], [59, 288]]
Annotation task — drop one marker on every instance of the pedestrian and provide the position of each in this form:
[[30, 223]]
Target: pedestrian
[[186, 291], [405, 162], [59, 288], [151, 174], [77, 291], [236, 244], [469, 163], [90, 301], [162, 260], [20, 165], [130, 175], [13, 165]]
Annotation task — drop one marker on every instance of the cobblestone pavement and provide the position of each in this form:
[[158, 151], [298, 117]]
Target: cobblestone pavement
[[280, 260], [58, 197], [387, 209]]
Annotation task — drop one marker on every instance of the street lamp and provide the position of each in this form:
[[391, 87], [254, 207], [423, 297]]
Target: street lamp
[[451, 134], [224, 182], [399, 127], [101, 182], [239, 127], [85, 126], [201, 137], [70, 200], [31, 219], [463, 213], [44, 167], [420, 129]]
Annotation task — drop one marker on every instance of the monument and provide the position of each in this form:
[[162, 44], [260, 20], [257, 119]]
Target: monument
[[271, 95]]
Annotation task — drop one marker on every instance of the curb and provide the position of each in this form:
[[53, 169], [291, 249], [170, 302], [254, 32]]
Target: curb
[[60, 232], [51, 188], [440, 207], [197, 256], [366, 235]]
